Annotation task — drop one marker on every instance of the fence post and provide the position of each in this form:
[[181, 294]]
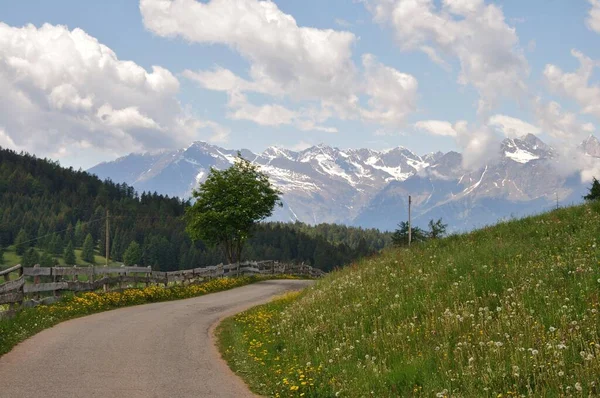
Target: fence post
[[148, 275], [91, 279], [21, 290], [36, 281]]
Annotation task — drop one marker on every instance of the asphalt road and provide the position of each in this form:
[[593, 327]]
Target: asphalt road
[[154, 350]]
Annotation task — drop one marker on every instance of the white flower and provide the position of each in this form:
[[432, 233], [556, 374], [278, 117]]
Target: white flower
[[561, 373], [552, 329], [578, 386]]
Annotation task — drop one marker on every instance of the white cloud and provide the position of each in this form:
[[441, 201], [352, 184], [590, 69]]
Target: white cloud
[[512, 127], [479, 145], [437, 127], [476, 34], [300, 61], [301, 64], [392, 94], [559, 124], [63, 90], [576, 85], [593, 19]]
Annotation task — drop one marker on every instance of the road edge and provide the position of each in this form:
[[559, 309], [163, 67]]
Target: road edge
[[214, 346]]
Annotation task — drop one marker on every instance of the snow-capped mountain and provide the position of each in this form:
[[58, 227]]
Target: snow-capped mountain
[[370, 188]]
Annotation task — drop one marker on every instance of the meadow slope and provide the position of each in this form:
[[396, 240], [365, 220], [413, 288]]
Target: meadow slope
[[509, 310]]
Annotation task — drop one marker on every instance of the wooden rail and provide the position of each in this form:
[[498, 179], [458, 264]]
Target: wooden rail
[[43, 285]]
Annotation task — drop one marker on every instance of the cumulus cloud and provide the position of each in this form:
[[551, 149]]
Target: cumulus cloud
[[474, 33], [478, 143], [593, 19], [286, 61], [512, 127], [576, 85], [61, 88], [559, 124], [437, 127], [392, 94]]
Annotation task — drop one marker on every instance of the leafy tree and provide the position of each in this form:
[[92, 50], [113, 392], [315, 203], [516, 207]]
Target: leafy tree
[[87, 253], [21, 243], [46, 260], [133, 254], [594, 193], [30, 258], [437, 229], [69, 254], [228, 204], [400, 236]]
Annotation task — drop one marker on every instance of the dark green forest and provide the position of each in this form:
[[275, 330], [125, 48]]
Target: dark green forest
[[44, 207]]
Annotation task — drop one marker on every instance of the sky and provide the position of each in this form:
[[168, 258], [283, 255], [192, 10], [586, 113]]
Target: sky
[[88, 81]]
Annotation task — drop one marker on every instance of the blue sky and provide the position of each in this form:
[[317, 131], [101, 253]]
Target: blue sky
[[412, 93]]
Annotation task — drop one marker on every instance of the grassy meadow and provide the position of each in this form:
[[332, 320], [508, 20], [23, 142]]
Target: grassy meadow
[[12, 258], [509, 310]]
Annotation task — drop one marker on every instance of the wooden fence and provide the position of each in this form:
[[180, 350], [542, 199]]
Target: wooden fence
[[43, 285]]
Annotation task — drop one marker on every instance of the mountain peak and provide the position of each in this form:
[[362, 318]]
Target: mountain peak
[[591, 146]]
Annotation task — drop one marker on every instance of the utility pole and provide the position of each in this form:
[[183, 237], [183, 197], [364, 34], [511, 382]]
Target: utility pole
[[107, 236], [409, 220], [556, 200]]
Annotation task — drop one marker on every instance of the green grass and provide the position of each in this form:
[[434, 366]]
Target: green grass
[[509, 310], [12, 258]]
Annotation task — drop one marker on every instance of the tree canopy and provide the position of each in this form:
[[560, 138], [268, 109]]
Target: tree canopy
[[228, 204], [133, 254], [437, 229], [42, 198], [594, 193]]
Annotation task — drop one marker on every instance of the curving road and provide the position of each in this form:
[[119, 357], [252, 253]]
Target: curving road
[[153, 350]]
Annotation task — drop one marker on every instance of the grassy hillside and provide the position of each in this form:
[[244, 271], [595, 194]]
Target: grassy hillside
[[11, 258], [510, 310]]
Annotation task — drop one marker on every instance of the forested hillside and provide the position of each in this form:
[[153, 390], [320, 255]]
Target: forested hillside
[[45, 207]]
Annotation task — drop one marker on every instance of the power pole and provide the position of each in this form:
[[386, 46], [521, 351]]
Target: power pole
[[409, 220], [556, 200], [107, 236]]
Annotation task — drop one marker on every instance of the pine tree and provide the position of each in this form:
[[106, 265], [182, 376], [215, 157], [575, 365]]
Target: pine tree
[[41, 236], [70, 233], [79, 234], [56, 244], [116, 252], [133, 254], [87, 253], [437, 229], [21, 243], [594, 193], [69, 254], [30, 258], [400, 236], [46, 260]]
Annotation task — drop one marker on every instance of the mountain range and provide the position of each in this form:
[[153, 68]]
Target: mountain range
[[369, 188]]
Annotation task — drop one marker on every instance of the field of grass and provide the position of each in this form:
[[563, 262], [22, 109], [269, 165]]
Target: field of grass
[[509, 310], [12, 258]]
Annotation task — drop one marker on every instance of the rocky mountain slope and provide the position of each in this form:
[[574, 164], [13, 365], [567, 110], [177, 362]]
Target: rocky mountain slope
[[370, 188]]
